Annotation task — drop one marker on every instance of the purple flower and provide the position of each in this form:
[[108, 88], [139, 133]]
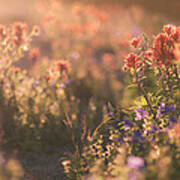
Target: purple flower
[[137, 137], [133, 175], [7, 86], [127, 124], [169, 127], [53, 82], [153, 130], [75, 55], [111, 115], [134, 162], [68, 81], [62, 85], [140, 113], [36, 83], [164, 109], [172, 119], [150, 132], [154, 127]]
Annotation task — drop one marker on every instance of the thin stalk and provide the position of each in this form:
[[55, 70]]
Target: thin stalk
[[145, 96]]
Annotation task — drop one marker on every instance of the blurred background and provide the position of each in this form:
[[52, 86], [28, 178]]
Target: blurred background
[[25, 10]]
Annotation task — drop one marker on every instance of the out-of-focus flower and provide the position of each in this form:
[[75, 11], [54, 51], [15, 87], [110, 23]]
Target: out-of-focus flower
[[4, 33], [62, 85], [7, 86], [36, 30], [134, 162], [16, 69], [36, 83], [19, 33], [68, 81], [49, 77], [63, 66], [75, 55], [34, 54]]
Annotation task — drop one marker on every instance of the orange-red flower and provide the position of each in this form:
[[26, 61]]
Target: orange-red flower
[[34, 54], [135, 42], [19, 33], [16, 69], [3, 32], [163, 49], [63, 66], [177, 51], [132, 61]]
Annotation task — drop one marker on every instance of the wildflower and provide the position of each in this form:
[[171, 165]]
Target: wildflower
[[176, 35], [160, 48], [36, 83], [172, 119], [171, 126], [63, 66], [3, 32], [19, 33], [75, 55], [153, 130], [140, 113], [154, 127], [16, 69], [177, 128], [132, 61], [148, 53], [137, 137], [6, 86], [134, 175], [127, 124], [107, 58], [36, 30], [111, 114], [68, 81], [164, 109], [49, 77], [135, 162], [164, 45], [169, 29], [177, 51], [62, 85], [135, 42], [34, 54]]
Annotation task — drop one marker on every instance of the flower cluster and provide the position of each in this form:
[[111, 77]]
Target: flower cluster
[[131, 142], [164, 44]]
